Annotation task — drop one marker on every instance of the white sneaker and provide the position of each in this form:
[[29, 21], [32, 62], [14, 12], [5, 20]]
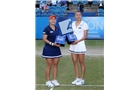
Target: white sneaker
[[55, 83], [49, 84], [81, 82], [76, 80]]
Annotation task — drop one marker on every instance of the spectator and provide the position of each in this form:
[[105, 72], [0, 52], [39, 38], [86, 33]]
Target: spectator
[[101, 5], [49, 2], [68, 2], [90, 2], [42, 5], [80, 7], [53, 3], [37, 6], [46, 8], [63, 2]]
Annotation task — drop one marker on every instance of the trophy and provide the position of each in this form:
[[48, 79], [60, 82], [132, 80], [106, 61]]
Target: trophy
[[70, 38], [60, 40]]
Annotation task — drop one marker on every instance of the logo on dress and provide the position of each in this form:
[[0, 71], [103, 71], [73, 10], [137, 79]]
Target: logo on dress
[[79, 27], [51, 31]]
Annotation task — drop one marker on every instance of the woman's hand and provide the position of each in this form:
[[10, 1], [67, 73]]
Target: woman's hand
[[57, 45], [75, 42]]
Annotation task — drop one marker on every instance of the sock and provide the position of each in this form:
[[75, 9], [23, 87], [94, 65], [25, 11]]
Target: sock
[[47, 81], [77, 78]]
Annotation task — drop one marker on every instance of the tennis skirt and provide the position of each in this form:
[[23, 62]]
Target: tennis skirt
[[51, 52], [78, 48]]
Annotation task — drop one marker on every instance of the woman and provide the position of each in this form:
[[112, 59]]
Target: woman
[[101, 5], [51, 51], [37, 5], [42, 5], [78, 47], [46, 8], [90, 2]]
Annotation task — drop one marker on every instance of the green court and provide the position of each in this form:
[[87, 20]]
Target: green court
[[94, 76]]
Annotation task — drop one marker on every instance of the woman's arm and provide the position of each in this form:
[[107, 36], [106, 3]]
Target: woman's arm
[[46, 40]]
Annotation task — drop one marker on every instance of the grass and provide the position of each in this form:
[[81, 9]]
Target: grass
[[94, 69], [94, 72], [70, 88]]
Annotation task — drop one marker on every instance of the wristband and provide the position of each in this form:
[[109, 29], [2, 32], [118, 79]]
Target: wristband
[[50, 43]]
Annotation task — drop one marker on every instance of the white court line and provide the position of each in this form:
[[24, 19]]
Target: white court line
[[67, 85], [85, 54], [88, 54]]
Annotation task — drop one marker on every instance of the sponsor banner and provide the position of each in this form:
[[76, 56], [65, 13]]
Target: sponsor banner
[[95, 25]]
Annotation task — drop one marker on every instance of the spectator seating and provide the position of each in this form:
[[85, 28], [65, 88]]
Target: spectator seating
[[44, 14], [63, 7], [44, 2], [100, 12], [75, 2], [52, 7], [95, 1], [57, 10], [61, 10], [61, 14], [38, 11], [89, 14], [51, 10], [85, 2]]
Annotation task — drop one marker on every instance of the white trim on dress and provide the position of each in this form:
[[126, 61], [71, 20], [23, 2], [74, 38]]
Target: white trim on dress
[[81, 52], [51, 56]]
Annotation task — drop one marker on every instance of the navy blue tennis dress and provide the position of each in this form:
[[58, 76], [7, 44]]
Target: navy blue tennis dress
[[48, 50]]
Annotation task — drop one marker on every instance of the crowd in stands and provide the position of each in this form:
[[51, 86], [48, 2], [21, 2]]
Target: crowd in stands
[[60, 6], [101, 5]]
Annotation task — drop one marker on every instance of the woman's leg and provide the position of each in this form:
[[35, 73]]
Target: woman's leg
[[75, 63], [48, 68], [82, 63], [55, 67]]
